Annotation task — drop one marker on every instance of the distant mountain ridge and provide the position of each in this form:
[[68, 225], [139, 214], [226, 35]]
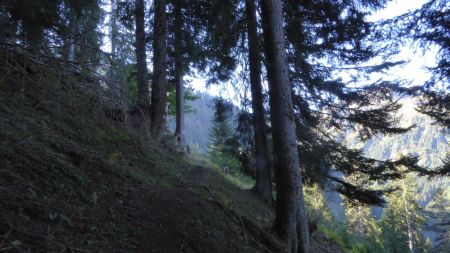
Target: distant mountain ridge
[[427, 140]]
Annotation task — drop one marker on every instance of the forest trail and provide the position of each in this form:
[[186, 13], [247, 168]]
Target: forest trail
[[74, 180]]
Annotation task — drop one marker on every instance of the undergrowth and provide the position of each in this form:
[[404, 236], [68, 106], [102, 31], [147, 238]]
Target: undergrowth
[[74, 180]]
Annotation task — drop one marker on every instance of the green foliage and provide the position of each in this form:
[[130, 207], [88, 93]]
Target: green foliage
[[403, 219], [45, 24], [317, 205], [189, 95], [350, 242], [342, 233], [439, 212], [221, 148]]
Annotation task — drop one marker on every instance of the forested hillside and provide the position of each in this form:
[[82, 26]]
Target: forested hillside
[[105, 146], [428, 141], [74, 178], [198, 123]]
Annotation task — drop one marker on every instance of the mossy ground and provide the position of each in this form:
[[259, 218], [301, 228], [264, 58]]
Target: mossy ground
[[72, 180]]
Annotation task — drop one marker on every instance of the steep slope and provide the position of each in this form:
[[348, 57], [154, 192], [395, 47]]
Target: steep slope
[[74, 180]]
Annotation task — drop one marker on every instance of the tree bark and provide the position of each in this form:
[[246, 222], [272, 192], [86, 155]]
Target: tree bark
[[114, 28], [263, 178], [159, 82], [143, 97], [179, 131], [70, 47], [290, 221], [408, 221]]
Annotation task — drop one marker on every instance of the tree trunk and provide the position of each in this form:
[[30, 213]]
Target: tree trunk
[[290, 221], [114, 28], [142, 98], [70, 46], [116, 87], [159, 82], [179, 131], [408, 221], [263, 178]]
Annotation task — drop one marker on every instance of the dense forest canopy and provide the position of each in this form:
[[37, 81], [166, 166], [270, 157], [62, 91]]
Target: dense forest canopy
[[313, 84]]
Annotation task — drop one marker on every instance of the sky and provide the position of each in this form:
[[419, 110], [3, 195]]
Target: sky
[[414, 71]]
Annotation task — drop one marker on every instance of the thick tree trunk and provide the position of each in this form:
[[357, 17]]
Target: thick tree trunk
[[159, 82], [290, 222], [143, 97], [263, 178], [179, 131]]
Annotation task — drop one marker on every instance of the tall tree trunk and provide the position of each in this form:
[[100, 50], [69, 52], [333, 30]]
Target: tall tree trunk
[[115, 84], [179, 131], [159, 82], [290, 221], [114, 28], [263, 178], [143, 97], [408, 219], [70, 47]]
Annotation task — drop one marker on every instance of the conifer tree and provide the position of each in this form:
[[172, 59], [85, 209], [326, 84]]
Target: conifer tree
[[323, 39], [142, 81], [262, 164], [46, 25], [439, 212], [179, 70], [221, 133], [358, 216], [291, 220], [159, 79], [403, 219], [428, 27]]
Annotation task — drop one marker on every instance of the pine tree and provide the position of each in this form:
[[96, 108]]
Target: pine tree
[[221, 134], [291, 220], [142, 81], [159, 79], [54, 27], [428, 26], [179, 70], [323, 39], [403, 219], [439, 212], [262, 164], [358, 216]]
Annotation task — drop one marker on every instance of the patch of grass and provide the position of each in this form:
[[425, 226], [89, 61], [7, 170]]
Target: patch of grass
[[240, 180]]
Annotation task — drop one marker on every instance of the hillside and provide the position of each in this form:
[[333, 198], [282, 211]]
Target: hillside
[[426, 140], [74, 180]]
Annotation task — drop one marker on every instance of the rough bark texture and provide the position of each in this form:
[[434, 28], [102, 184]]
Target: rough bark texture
[[143, 97], [263, 178], [290, 221], [179, 131], [159, 82]]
